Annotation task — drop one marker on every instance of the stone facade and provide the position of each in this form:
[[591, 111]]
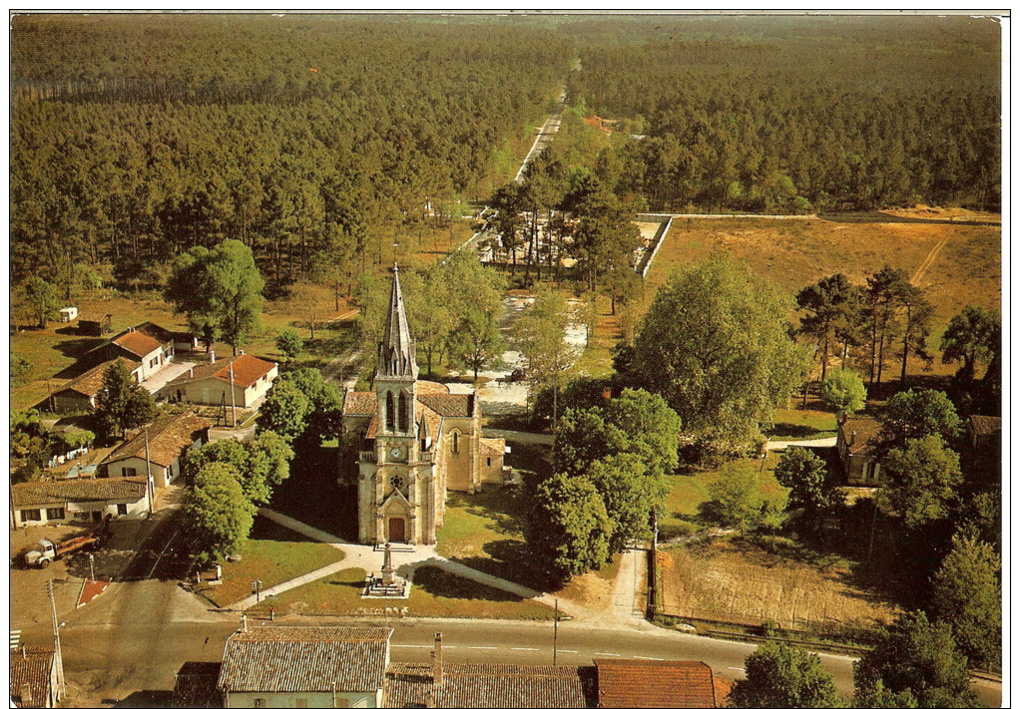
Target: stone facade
[[415, 441]]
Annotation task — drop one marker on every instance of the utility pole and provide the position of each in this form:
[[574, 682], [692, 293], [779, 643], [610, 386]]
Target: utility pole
[[233, 411], [256, 586], [556, 626], [58, 655], [148, 472]]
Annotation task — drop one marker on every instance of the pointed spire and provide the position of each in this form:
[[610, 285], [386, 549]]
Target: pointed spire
[[396, 351]]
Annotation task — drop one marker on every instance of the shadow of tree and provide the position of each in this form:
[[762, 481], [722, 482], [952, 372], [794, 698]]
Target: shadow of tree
[[876, 217], [442, 584], [793, 430]]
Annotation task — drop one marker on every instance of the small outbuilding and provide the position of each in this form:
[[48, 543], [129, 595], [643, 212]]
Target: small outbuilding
[[68, 314]]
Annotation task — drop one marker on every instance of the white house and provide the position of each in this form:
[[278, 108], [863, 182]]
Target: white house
[[82, 499], [210, 383], [279, 666], [157, 450]]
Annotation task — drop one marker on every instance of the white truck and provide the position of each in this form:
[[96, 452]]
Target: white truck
[[46, 550]]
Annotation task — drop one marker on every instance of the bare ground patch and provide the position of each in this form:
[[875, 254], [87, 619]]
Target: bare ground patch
[[736, 582]]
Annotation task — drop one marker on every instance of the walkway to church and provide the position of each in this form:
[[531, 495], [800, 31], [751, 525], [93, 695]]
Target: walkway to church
[[359, 556]]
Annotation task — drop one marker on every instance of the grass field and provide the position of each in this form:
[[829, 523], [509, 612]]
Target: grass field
[[803, 425], [966, 269], [273, 554], [434, 594], [730, 580]]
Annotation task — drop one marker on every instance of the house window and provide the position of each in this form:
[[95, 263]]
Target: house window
[[259, 702], [154, 362], [488, 462], [122, 508], [129, 472], [31, 516], [54, 513]]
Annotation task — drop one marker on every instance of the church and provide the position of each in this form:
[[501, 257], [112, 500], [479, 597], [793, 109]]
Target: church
[[417, 441]]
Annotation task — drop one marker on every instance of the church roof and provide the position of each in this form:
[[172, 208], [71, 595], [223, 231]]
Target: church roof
[[359, 403], [491, 446], [396, 351], [450, 405]]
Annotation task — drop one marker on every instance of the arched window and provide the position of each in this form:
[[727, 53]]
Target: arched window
[[404, 409], [456, 442], [391, 413]]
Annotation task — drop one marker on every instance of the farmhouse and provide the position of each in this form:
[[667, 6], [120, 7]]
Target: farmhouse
[[416, 440], [80, 393], [149, 346], [82, 499], [855, 439], [157, 450], [34, 681], [211, 383], [274, 666]]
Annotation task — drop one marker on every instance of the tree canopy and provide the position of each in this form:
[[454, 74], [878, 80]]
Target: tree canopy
[[813, 487], [967, 594], [780, 675], [302, 407], [921, 480], [971, 337], [715, 346], [220, 291], [122, 403], [844, 391], [917, 413], [218, 514]]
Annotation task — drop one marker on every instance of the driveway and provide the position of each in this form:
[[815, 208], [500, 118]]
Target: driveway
[[158, 380]]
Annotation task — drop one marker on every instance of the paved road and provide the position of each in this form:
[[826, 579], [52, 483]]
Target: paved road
[[817, 443]]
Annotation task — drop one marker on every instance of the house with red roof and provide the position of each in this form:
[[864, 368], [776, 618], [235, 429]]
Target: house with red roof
[[34, 678], [211, 383], [148, 345]]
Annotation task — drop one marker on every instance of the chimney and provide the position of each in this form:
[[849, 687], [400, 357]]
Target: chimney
[[437, 660], [244, 622], [26, 695], [212, 355]]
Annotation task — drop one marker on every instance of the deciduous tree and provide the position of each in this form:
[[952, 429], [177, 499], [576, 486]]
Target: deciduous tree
[[920, 480], [218, 514], [967, 594], [813, 487], [780, 675], [971, 336], [289, 342], [715, 345], [569, 529], [844, 391], [916, 661], [917, 413]]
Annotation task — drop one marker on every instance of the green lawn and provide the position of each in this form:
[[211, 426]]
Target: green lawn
[[435, 594], [273, 554], [486, 532], [687, 492], [803, 425]]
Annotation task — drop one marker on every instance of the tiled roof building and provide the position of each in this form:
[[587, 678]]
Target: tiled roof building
[[653, 683], [33, 678], [211, 382], [158, 448], [273, 662], [856, 439], [87, 499], [478, 685]]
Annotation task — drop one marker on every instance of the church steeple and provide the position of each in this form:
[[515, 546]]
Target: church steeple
[[396, 351]]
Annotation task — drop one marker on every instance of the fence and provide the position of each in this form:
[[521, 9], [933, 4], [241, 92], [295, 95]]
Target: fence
[[665, 222]]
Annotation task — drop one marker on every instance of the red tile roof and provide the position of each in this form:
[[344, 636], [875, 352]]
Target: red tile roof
[[651, 683], [859, 433], [32, 667], [426, 387], [169, 436], [450, 405], [491, 446], [57, 492], [137, 343], [464, 685], [248, 369], [305, 659], [360, 403]]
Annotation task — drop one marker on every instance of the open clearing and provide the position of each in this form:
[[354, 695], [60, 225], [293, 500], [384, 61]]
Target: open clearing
[[734, 581], [794, 253]]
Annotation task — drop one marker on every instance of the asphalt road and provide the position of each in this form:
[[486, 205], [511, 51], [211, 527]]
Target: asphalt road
[[129, 643]]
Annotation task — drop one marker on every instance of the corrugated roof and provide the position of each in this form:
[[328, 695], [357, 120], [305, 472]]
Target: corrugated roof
[[652, 683], [464, 685], [305, 659], [31, 666], [248, 369], [168, 437], [57, 492], [859, 433], [137, 343], [450, 405]]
